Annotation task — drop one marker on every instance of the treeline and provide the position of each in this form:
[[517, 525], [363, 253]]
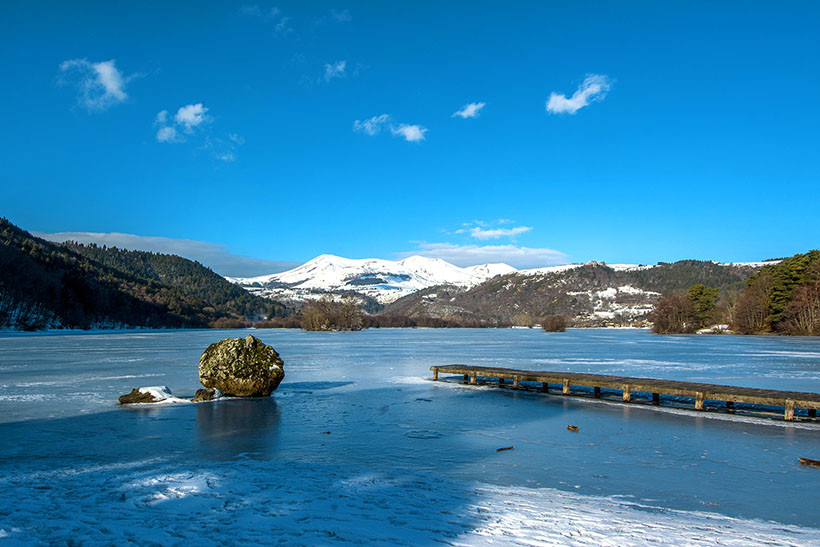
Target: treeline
[[327, 314], [781, 298], [689, 312], [49, 285], [187, 280]]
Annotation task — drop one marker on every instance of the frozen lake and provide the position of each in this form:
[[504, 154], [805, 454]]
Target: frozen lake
[[358, 445]]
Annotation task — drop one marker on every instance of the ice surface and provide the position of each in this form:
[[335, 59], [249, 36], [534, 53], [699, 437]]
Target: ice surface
[[255, 502], [359, 446]]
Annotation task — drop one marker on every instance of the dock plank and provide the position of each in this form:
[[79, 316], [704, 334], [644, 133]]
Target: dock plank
[[789, 400]]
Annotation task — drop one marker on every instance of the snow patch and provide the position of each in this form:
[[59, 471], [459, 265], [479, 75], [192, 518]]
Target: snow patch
[[162, 394]]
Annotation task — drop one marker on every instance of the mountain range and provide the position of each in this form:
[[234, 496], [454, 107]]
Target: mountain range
[[70, 285], [495, 293], [383, 281]]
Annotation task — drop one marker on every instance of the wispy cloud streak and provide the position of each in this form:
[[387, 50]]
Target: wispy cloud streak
[[594, 88], [471, 255], [470, 110], [375, 125]]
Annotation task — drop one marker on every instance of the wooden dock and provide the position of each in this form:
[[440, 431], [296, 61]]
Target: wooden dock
[[789, 400]]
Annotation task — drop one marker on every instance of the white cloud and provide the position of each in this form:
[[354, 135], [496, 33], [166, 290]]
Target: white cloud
[[99, 85], [186, 120], [217, 257], [470, 255], [335, 70], [371, 126], [594, 88], [470, 110], [411, 133], [495, 233], [191, 116], [485, 230], [167, 134]]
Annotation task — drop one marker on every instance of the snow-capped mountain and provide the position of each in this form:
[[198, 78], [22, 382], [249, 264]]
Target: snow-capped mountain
[[588, 294], [383, 280], [631, 291]]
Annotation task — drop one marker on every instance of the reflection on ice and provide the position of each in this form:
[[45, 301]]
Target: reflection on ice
[[230, 428]]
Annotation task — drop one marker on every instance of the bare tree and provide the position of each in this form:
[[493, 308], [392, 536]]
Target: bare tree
[[328, 314], [673, 314], [554, 323], [802, 315]]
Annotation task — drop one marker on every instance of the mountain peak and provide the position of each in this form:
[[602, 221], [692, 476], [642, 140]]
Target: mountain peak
[[383, 280]]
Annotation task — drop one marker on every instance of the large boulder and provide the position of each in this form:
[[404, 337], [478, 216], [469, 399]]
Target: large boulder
[[241, 367]]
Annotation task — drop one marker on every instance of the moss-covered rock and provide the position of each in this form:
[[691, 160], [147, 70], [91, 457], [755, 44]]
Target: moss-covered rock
[[136, 396], [241, 367], [153, 394], [206, 394]]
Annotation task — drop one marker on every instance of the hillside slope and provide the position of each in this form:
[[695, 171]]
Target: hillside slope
[[47, 285], [587, 293]]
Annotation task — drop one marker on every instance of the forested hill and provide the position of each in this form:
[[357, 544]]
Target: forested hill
[[47, 285], [587, 294]]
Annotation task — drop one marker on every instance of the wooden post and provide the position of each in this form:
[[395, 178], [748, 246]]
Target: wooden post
[[789, 414], [698, 400], [472, 379], [627, 394], [596, 392], [501, 381], [656, 398], [435, 374], [465, 378], [516, 382], [545, 387], [565, 391], [812, 413], [730, 405]]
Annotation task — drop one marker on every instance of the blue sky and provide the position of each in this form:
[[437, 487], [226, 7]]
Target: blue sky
[[284, 130]]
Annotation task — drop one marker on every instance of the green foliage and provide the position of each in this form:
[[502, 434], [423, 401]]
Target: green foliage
[[786, 277], [781, 297], [704, 304]]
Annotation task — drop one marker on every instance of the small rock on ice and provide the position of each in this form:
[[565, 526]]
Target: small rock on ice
[[152, 394]]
